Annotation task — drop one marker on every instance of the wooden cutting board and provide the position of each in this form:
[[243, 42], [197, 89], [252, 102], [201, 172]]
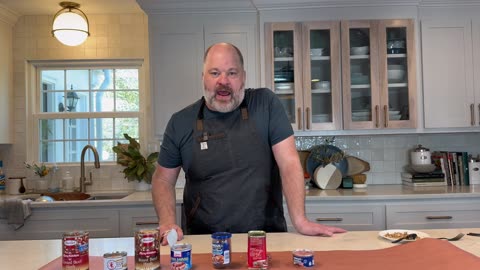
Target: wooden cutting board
[[356, 165], [424, 254]]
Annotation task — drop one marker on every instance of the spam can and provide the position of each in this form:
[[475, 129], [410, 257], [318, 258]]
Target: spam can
[[303, 257], [257, 250], [181, 256], [115, 261]]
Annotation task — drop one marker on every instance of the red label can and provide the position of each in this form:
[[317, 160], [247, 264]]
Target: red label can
[[257, 250], [147, 249], [75, 250]]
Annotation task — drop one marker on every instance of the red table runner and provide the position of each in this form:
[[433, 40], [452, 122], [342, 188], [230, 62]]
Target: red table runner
[[424, 254]]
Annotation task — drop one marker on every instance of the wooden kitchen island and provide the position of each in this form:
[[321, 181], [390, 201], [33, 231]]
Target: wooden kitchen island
[[32, 254]]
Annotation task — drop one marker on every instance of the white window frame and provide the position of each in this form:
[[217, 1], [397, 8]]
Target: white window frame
[[33, 105]]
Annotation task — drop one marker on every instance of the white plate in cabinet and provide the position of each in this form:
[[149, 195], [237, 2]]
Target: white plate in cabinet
[[351, 217], [465, 214]]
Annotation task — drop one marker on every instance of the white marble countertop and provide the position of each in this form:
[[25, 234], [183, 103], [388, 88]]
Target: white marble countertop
[[372, 192], [32, 254]]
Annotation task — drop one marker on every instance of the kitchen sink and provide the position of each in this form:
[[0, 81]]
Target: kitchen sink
[[108, 196], [80, 196]]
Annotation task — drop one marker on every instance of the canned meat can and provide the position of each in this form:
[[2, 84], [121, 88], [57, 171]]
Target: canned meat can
[[257, 250], [181, 256], [147, 249], [303, 257], [75, 250], [115, 261], [221, 249]]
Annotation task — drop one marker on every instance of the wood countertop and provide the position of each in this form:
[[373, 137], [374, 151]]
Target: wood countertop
[[32, 254]]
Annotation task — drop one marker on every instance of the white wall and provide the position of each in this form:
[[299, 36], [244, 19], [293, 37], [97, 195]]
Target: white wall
[[118, 36]]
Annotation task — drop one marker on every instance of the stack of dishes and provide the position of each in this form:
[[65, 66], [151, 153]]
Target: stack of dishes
[[359, 78], [284, 87], [321, 118], [396, 73], [317, 51], [359, 50], [394, 115], [361, 115]]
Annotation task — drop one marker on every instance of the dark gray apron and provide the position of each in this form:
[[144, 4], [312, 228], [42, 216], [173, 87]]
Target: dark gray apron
[[233, 183]]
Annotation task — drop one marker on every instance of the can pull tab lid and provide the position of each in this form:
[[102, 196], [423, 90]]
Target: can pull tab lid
[[172, 237]]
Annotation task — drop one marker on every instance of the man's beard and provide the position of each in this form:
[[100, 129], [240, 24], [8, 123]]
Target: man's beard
[[221, 105]]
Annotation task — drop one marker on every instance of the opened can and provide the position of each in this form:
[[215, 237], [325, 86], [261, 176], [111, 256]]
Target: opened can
[[181, 257], [147, 249], [303, 257], [75, 250], [257, 250], [115, 261]]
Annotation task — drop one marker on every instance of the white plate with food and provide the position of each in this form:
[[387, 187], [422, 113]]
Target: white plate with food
[[395, 234]]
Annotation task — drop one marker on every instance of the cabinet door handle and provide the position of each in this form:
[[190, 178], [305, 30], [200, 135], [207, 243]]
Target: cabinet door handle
[[478, 113], [376, 117], [385, 110], [472, 114], [328, 219], [140, 223], [299, 113], [307, 113], [438, 217]]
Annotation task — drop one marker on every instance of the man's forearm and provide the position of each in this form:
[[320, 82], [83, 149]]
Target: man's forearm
[[163, 195], [294, 191]]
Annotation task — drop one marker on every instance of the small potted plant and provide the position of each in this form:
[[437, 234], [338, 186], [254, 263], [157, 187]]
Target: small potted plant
[[138, 168]]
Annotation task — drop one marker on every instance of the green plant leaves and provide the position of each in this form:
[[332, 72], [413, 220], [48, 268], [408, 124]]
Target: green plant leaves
[[138, 168]]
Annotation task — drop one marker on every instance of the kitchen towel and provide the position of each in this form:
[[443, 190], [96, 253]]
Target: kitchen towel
[[424, 254], [15, 211]]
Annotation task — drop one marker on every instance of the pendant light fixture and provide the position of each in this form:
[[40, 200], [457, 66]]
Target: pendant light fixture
[[70, 24]]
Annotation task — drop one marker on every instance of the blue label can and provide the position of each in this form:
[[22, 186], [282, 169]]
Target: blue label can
[[221, 249], [181, 256], [303, 257]]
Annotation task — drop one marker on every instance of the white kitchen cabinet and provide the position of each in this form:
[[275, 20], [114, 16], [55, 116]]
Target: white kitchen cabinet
[[6, 83], [349, 216], [451, 73], [135, 217], [51, 223], [177, 45], [434, 215]]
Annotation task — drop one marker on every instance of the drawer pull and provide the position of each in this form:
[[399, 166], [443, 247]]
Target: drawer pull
[[439, 217], [376, 117], [140, 223], [299, 115], [328, 219], [307, 114]]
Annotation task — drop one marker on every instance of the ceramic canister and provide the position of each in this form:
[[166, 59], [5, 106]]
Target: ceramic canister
[[421, 156], [474, 172]]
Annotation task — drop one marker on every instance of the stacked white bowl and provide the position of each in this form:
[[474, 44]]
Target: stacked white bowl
[[396, 73]]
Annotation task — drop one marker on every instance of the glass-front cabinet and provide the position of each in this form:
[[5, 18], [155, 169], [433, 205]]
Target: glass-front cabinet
[[350, 74], [379, 82], [303, 69]]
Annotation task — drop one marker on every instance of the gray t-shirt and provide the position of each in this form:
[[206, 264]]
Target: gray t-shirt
[[263, 107]]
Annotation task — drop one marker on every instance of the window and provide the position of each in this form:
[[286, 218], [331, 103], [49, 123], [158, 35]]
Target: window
[[82, 104]]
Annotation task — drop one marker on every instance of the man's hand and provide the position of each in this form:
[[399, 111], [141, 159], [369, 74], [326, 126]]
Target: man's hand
[[165, 228], [312, 228]]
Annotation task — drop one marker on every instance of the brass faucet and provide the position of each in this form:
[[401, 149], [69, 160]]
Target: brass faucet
[[83, 180]]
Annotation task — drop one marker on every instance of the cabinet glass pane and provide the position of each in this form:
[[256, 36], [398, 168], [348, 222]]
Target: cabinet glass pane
[[397, 73], [361, 91], [284, 84], [320, 66]]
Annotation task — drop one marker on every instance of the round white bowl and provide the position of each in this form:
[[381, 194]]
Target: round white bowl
[[396, 75], [316, 51], [359, 50]]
